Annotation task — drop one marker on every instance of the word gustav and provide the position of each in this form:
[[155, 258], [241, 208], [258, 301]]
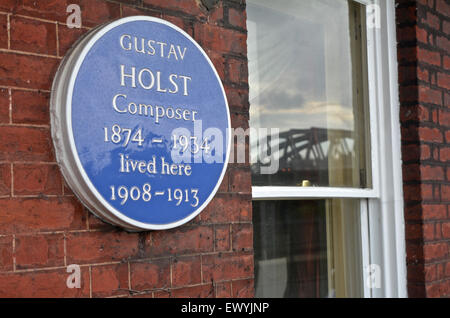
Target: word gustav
[[145, 46]]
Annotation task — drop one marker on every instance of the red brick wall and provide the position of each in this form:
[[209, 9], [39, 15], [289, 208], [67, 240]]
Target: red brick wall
[[44, 228], [423, 34]]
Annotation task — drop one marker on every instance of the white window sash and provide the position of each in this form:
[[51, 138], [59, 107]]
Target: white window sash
[[382, 213]]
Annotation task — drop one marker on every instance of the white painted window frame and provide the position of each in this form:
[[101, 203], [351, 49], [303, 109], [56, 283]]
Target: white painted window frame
[[382, 219]]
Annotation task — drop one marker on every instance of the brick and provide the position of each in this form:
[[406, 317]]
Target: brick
[[435, 251], [225, 183], [186, 271], [4, 106], [237, 97], [190, 7], [423, 74], [27, 71], [219, 267], [242, 237], [416, 113], [415, 152], [429, 57], [413, 231], [407, 74], [227, 208], [412, 192], [3, 31], [409, 93], [93, 12], [443, 80], [95, 223], [51, 10], [237, 71], [432, 21], [438, 289], [25, 144], [432, 173], [446, 230], [182, 240], [33, 36], [411, 172], [34, 251], [40, 214], [443, 7], [142, 295], [421, 34], [447, 270], [407, 54], [243, 288], [413, 212], [32, 179], [430, 272], [440, 271], [42, 284], [428, 95], [216, 15], [5, 179], [67, 37], [150, 275], [416, 290], [6, 253], [109, 280], [220, 40], [130, 11], [200, 291], [8, 5], [178, 21], [443, 43], [100, 247], [239, 120], [240, 180], [430, 232], [434, 211], [30, 107], [414, 252], [444, 117], [416, 273], [219, 63], [430, 134], [406, 15], [224, 290], [444, 154], [237, 18], [438, 231], [222, 238], [445, 192]]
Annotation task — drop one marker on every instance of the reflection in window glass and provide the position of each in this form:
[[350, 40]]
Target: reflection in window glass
[[307, 248], [308, 78]]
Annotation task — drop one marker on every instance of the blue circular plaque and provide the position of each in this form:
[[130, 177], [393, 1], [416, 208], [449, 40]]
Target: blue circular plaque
[[140, 124]]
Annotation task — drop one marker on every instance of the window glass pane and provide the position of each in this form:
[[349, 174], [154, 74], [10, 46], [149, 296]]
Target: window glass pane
[[308, 77], [307, 248]]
